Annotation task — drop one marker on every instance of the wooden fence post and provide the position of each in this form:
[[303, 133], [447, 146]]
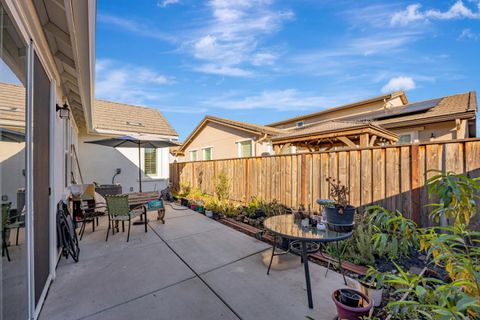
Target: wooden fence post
[[416, 205]]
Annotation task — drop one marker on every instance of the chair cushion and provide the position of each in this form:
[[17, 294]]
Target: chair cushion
[[155, 204]]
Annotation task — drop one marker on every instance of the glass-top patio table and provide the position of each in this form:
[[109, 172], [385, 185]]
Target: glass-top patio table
[[307, 238]]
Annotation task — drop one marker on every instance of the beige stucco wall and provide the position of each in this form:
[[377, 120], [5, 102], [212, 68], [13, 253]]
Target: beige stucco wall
[[98, 164], [224, 140], [441, 131]]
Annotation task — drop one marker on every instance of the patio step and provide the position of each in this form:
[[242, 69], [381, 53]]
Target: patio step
[[261, 235]]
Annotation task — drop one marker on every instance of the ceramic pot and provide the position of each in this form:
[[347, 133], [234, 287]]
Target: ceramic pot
[[352, 313], [334, 216], [373, 293]]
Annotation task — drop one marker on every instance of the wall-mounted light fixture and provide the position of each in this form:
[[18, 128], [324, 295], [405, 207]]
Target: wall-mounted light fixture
[[63, 112]]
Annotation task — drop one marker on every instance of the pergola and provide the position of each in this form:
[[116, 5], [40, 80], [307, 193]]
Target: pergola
[[334, 134]]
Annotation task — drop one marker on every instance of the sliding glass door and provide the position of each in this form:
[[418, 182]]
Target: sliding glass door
[[13, 224]]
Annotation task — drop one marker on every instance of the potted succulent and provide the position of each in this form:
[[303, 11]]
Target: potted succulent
[[372, 285], [351, 304], [338, 210]]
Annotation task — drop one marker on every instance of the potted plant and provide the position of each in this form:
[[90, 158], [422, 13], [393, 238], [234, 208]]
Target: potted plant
[[372, 285], [338, 211], [351, 304]]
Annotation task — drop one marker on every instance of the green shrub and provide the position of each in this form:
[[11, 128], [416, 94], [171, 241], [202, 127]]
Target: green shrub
[[454, 248], [393, 234]]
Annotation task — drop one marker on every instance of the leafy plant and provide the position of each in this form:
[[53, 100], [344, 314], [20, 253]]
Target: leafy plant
[[359, 248], [454, 248], [458, 195], [222, 187], [184, 189], [374, 278], [339, 193], [394, 235]]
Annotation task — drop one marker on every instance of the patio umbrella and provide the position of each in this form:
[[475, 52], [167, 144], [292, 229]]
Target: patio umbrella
[[140, 141]]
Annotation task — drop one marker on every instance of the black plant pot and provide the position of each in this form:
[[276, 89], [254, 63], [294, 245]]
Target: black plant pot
[[334, 216], [184, 202], [259, 213], [349, 298]]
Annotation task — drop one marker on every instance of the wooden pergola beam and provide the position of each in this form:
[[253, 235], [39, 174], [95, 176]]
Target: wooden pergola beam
[[347, 141], [364, 140], [372, 140]]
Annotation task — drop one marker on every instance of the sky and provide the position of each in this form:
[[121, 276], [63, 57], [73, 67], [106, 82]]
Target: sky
[[267, 60]]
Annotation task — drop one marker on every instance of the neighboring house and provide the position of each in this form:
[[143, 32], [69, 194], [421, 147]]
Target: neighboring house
[[445, 118], [95, 163], [217, 138], [47, 47], [99, 163], [386, 119]]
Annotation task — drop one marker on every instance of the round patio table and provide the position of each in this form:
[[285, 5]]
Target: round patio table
[[286, 226]]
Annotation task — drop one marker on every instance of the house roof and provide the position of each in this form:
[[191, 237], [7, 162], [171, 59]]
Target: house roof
[[333, 128], [12, 103], [448, 107], [109, 115], [389, 96], [244, 126], [128, 118]]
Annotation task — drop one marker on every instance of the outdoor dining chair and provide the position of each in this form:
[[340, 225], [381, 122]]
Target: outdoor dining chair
[[119, 210], [10, 222], [5, 213]]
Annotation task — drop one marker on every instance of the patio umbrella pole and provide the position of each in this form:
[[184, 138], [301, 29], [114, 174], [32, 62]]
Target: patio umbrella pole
[[139, 168]]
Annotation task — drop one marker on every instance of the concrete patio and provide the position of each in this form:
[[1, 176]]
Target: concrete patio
[[190, 268]]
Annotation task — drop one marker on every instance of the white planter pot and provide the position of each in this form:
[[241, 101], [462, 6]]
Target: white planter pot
[[209, 213], [374, 294]]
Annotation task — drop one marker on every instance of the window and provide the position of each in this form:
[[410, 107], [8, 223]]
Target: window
[[245, 148], [150, 161], [300, 124], [207, 153], [193, 155], [405, 138]]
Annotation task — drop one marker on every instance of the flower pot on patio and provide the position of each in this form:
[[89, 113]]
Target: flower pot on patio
[[259, 213], [372, 292], [351, 304], [339, 215], [201, 209], [209, 214], [184, 202]]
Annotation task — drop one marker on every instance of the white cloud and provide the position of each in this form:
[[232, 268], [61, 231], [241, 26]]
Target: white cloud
[[399, 83], [133, 26], [223, 70], [128, 83], [281, 100], [166, 3], [230, 42], [413, 13], [468, 34]]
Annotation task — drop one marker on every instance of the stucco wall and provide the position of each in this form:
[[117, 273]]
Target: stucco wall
[[12, 163], [98, 164], [224, 140]]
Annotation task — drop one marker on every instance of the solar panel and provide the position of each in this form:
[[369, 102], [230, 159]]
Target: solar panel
[[398, 111]]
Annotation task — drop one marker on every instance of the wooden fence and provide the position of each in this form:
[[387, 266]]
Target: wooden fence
[[392, 176]]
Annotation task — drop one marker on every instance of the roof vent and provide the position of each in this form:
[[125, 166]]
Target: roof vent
[[133, 123]]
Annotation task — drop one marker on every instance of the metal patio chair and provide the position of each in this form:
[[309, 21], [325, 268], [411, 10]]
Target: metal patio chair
[[119, 211]]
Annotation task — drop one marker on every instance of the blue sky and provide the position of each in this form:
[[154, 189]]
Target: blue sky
[[263, 61]]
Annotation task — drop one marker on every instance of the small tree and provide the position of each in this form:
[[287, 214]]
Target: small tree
[[221, 190]]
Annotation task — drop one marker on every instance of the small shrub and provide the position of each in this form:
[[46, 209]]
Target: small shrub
[[394, 235], [222, 187]]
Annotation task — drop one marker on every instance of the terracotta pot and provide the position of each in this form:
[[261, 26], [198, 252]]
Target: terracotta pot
[[345, 312]]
